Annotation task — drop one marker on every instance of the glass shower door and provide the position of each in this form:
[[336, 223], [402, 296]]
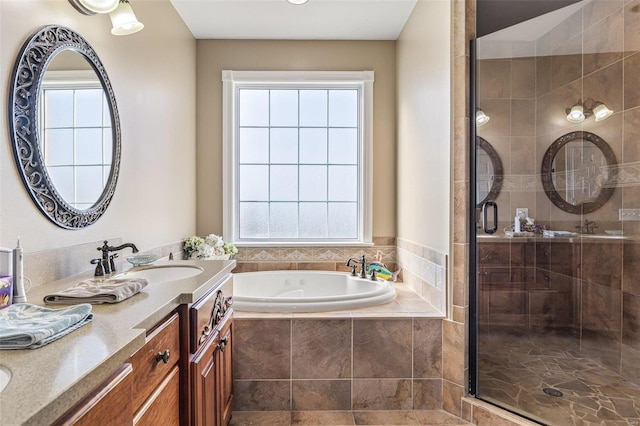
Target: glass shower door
[[556, 327]]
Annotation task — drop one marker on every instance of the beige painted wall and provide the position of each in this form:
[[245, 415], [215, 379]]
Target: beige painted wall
[[153, 76], [216, 55], [424, 125]]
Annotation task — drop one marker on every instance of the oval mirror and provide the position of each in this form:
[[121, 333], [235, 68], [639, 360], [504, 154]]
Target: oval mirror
[[576, 172], [489, 172], [65, 127]]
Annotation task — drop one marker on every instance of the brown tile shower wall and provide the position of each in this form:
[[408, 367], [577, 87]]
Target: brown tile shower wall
[[327, 258], [305, 364]]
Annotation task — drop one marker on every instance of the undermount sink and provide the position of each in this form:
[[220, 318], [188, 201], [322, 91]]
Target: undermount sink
[[5, 377], [163, 273]]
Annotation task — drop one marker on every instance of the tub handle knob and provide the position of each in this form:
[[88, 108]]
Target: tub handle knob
[[373, 275]]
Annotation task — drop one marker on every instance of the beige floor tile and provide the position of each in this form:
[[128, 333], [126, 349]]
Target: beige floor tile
[[394, 418], [335, 418], [260, 418], [437, 418]]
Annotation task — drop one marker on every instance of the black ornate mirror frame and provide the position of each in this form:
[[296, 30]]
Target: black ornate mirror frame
[[498, 171], [26, 80], [547, 173]]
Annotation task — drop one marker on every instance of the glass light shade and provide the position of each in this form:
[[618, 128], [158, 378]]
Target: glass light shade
[[481, 118], [90, 7], [124, 21], [297, 1], [601, 111], [576, 114]]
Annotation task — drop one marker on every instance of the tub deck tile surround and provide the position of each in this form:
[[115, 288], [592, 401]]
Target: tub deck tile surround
[[385, 357]]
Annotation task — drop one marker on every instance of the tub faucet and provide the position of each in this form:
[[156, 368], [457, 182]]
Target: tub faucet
[[363, 266], [108, 264]]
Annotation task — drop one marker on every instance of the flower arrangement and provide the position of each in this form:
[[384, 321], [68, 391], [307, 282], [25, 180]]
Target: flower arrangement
[[211, 246]]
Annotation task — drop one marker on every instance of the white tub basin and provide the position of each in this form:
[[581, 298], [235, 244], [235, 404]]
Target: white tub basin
[[163, 273], [5, 377]]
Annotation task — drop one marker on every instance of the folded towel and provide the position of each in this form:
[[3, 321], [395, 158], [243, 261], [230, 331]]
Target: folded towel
[[27, 326], [549, 233], [98, 291]]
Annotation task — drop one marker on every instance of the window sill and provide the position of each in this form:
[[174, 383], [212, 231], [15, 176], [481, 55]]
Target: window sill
[[302, 244]]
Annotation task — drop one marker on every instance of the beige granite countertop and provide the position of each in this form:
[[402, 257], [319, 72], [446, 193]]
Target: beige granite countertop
[[47, 381]]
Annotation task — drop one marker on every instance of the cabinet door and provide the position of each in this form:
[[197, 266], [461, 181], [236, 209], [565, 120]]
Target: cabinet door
[[163, 406], [108, 404], [224, 357], [203, 373]]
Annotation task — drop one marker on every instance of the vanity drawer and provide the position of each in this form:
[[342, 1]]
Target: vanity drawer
[[155, 359], [205, 314]]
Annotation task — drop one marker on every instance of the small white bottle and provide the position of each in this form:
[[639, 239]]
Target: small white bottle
[[516, 224]]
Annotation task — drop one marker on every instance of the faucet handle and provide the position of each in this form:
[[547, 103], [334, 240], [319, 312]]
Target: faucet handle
[[99, 267], [112, 264]]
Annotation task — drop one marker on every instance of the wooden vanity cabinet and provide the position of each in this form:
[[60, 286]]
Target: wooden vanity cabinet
[[212, 379], [156, 376], [210, 366], [110, 403]]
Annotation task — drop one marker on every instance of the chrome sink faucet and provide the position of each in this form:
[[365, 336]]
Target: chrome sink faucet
[[588, 227], [106, 264]]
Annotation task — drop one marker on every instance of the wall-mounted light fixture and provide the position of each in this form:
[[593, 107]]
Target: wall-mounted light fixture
[[124, 20], [580, 111], [298, 2], [481, 118], [91, 7]]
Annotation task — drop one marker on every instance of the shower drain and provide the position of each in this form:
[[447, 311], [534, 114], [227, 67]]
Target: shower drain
[[552, 392]]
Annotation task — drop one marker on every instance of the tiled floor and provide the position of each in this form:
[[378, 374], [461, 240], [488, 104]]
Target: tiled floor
[[514, 370], [286, 418]]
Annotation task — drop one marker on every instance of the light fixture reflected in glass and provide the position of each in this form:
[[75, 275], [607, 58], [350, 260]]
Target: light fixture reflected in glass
[[91, 7], [297, 2], [583, 110], [481, 118], [576, 113], [124, 20], [601, 111]]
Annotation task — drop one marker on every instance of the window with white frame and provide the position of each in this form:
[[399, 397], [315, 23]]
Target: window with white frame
[[297, 148], [76, 135]]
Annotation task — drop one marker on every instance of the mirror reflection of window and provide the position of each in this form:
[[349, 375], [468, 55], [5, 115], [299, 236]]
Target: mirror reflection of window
[[485, 176], [580, 168], [76, 135]]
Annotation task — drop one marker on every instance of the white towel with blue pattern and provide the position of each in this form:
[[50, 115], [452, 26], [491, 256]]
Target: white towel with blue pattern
[[27, 326]]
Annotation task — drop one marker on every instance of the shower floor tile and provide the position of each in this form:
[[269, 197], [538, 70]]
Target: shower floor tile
[[516, 370]]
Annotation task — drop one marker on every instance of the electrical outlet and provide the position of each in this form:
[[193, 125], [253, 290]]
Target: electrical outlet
[[628, 214], [522, 212]]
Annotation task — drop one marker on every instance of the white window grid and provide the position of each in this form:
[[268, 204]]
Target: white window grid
[[326, 81]]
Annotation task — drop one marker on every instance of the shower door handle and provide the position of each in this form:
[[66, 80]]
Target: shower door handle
[[485, 210]]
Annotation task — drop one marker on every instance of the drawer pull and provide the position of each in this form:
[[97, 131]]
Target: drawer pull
[[223, 343], [163, 356]]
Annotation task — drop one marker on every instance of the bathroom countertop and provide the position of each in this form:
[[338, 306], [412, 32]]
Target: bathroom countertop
[[47, 381], [580, 238]]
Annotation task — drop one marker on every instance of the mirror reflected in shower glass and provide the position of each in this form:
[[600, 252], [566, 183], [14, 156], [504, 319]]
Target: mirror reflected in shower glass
[[580, 170], [489, 172]]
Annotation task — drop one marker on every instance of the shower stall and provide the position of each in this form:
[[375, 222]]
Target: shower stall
[[555, 298]]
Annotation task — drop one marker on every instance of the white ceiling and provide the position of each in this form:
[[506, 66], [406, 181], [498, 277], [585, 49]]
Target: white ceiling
[[280, 20]]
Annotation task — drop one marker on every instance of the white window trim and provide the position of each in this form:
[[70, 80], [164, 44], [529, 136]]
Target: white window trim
[[231, 80]]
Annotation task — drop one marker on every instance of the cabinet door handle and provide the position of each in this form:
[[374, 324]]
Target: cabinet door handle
[[163, 356], [223, 343]]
